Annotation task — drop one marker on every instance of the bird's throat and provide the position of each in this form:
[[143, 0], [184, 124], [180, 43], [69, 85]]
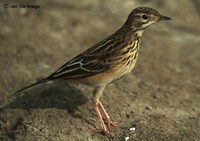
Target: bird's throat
[[139, 33]]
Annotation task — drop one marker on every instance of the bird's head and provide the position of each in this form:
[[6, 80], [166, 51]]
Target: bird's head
[[142, 17]]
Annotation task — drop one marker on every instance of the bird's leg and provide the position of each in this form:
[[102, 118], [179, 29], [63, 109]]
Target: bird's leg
[[105, 131], [101, 120], [107, 120], [97, 93]]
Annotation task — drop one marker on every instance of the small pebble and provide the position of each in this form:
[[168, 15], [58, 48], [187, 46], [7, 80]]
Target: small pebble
[[127, 138], [132, 129], [148, 108]]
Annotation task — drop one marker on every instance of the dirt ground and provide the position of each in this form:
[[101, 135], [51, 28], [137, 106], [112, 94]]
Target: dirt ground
[[160, 98]]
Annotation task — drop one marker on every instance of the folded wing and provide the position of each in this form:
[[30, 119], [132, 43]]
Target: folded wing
[[80, 67], [90, 62]]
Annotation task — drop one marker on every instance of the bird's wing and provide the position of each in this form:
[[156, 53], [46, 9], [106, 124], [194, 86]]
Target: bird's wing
[[90, 62], [79, 68]]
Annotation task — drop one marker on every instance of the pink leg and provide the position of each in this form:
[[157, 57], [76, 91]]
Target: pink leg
[[108, 121], [105, 131]]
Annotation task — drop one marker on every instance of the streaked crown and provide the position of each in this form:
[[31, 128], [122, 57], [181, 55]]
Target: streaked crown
[[142, 17]]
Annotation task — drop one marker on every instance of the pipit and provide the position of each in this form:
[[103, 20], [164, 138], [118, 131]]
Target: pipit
[[108, 60]]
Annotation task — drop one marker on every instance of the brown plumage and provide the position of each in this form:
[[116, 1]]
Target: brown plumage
[[108, 60]]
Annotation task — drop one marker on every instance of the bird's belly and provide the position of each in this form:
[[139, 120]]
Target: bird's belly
[[111, 75], [125, 71]]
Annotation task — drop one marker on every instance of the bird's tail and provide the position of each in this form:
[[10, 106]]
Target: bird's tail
[[19, 92]]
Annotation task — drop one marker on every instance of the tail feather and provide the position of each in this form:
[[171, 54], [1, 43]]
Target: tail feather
[[19, 92]]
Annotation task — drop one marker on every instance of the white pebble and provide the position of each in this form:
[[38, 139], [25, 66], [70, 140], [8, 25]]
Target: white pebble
[[132, 129], [127, 138]]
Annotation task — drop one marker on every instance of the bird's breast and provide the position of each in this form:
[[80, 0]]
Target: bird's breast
[[126, 64]]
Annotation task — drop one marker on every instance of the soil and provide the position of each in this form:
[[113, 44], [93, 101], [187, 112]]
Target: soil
[[160, 98]]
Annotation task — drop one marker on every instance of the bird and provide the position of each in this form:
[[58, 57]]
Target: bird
[[106, 61]]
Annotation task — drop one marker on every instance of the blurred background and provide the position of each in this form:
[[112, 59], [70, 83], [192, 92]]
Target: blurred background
[[160, 97]]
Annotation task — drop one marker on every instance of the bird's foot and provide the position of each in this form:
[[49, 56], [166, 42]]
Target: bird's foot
[[111, 123], [108, 122], [107, 133]]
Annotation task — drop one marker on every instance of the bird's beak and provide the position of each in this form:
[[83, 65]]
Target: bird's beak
[[163, 18]]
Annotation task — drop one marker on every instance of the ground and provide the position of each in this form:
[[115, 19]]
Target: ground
[[160, 98]]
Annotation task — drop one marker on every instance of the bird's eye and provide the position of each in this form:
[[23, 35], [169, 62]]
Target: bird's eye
[[144, 17]]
